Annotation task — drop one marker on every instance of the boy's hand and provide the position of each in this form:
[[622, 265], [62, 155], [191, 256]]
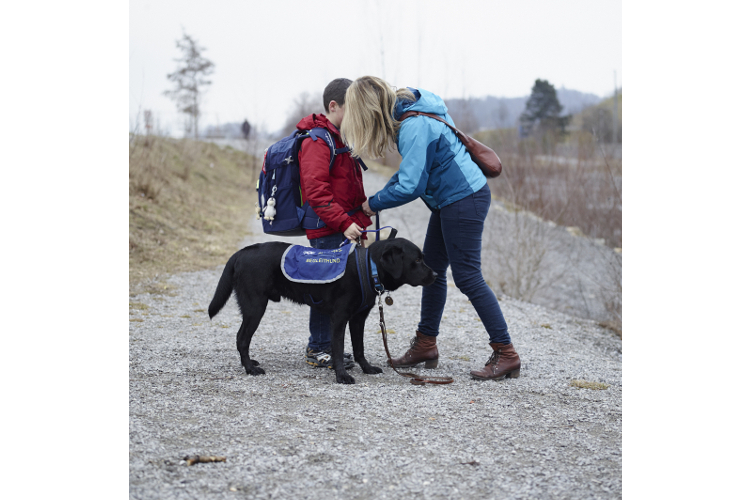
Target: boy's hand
[[366, 209], [353, 232]]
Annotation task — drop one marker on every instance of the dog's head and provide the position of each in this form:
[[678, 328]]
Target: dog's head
[[401, 262]]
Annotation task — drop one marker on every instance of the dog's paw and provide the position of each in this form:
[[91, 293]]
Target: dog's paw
[[371, 370], [253, 362], [254, 370], [344, 378]]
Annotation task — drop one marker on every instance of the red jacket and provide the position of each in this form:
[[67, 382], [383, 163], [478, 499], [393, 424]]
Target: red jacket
[[331, 195]]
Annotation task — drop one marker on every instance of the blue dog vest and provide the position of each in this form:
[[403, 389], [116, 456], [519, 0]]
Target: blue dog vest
[[315, 265]]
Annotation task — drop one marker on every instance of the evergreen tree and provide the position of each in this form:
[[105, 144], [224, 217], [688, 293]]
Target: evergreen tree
[[543, 110]]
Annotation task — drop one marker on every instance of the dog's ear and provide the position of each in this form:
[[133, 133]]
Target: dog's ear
[[393, 233], [392, 262]]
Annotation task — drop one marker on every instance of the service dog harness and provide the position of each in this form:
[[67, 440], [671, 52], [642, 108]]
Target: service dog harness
[[314, 265]]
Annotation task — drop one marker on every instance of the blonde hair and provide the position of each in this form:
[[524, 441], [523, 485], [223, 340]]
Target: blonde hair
[[368, 123]]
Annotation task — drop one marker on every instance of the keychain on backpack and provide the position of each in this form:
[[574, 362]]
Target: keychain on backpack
[[269, 211]]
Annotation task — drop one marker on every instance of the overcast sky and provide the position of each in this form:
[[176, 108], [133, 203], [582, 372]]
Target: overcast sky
[[267, 53]]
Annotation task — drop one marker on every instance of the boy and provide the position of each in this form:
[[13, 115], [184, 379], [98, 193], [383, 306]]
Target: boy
[[336, 197]]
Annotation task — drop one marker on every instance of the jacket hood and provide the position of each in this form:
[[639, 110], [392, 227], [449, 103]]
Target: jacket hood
[[426, 102], [316, 120]]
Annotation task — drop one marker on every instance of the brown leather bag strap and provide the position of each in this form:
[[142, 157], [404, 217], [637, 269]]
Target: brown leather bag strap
[[415, 379], [485, 158], [460, 134]]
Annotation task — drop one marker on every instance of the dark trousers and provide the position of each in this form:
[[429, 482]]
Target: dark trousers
[[454, 237]]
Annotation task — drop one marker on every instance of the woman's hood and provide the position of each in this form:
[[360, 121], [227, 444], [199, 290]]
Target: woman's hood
[[426, 102]]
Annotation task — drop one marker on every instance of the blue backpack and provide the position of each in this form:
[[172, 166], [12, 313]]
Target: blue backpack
[[279, 181]]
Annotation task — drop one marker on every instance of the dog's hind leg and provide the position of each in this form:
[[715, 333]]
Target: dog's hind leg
[[252, 314], [357, 333]]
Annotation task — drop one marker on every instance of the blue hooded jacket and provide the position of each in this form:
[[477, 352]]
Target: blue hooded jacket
[[435, 164]]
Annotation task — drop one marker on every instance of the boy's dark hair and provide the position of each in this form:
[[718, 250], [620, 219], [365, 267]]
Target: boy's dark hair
[[335, 91]]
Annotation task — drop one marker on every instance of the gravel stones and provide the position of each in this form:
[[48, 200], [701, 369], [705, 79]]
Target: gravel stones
[[295, 433]]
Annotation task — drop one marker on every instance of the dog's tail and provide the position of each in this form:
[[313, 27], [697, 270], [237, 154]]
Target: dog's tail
[[223, 289]]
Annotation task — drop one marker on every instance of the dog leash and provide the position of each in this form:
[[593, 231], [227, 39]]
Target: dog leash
[[415, 379], [376, 231]]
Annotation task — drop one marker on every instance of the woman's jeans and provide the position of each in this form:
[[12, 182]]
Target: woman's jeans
[[454, 237], [320, 324]]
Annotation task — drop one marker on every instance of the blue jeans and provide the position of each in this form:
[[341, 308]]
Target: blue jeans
[[454, 237], [320, 324]]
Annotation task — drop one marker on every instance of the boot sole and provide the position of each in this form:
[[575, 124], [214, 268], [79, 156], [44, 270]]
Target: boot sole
[[512, 374], [433, 363]]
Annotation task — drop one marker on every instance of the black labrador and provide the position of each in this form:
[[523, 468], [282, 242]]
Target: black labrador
[[255, 275]]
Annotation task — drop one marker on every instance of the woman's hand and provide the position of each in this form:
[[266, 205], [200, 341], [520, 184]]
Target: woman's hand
[[353, 232], [366, 209]]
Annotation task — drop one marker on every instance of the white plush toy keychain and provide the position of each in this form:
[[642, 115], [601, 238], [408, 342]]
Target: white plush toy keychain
[[269, 211]]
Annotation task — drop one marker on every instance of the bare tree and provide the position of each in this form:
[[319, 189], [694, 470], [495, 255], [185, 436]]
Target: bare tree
[[464, 117], [304, 105], [190, 80]]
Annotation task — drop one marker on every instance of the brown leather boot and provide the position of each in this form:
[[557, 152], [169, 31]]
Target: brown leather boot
[[423, 348], [504, 362]]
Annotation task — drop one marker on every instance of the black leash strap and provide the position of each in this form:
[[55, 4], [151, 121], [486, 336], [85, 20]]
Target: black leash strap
[[415, 379]]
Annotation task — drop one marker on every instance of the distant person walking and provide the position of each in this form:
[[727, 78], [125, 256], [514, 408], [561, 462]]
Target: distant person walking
[[436, 167], [246, 130]]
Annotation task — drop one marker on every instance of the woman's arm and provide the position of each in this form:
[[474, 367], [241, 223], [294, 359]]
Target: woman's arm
[[417, 145]]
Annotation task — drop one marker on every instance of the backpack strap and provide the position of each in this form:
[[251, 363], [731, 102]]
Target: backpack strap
[[322, 133]]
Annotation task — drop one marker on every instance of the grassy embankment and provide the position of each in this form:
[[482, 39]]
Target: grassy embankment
[[190, 204], [572, 182]]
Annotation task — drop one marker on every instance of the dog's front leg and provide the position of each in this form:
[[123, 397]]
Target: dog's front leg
[[338, 330], [357, 332]]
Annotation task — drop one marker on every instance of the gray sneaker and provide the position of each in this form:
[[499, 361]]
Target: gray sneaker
[[322, 359]]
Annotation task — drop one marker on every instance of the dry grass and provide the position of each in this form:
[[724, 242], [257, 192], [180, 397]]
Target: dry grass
[[577, 183], [615, 326], [585, 384], [526, 254], [190, 203]]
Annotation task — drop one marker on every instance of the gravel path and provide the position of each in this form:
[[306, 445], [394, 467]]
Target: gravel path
[[295, 433]]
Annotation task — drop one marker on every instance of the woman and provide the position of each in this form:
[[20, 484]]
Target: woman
[[436, 167]]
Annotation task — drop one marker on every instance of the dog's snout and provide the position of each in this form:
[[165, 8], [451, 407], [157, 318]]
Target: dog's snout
[[429, 277]]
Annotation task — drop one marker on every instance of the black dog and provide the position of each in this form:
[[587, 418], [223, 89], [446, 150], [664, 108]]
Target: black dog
[[255, 275]]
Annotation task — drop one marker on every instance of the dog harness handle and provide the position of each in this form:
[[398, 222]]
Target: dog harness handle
[[415, 379], [377, 235]]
